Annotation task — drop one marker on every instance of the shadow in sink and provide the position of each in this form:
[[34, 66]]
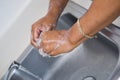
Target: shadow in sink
[[94, 59]]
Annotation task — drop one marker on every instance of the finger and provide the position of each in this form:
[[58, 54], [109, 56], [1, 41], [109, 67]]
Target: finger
[[57, 50], [44, 40], [34, 44], [33, 41], [36, 31], [49, 48], [43, 53], [36, 34]]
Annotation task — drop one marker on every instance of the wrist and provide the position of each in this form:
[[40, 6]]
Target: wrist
[[74, 34]]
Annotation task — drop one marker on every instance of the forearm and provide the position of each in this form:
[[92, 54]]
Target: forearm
[[56, 7], [100, 15]]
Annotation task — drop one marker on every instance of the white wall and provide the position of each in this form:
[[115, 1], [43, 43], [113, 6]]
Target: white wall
[[16, 19], [9, 10]]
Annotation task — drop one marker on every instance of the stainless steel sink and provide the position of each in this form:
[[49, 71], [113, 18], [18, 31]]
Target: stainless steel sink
[[95, 59]]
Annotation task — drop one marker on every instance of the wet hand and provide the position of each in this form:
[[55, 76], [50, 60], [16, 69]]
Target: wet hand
[[56, 42], [44, 24]]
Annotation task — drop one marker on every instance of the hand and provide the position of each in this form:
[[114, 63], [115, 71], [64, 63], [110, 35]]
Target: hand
[[57, 42], [45, 24]]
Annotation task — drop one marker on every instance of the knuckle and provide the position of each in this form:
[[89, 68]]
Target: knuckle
[[53, 53], [47, 48]]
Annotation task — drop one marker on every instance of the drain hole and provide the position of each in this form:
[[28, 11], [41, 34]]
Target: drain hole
[[89, 78]]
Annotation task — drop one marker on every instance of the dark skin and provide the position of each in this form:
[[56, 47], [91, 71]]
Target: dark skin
[[48, 22], [99, 15]]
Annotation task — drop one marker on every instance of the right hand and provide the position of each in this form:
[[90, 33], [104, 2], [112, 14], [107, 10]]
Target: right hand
[[44, 24], [57, 42]]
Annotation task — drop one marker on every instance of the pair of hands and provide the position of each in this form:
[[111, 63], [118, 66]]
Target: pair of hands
[[53, 42]]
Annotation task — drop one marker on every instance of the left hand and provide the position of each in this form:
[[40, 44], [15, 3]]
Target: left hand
[[44, 24], [57, 42]]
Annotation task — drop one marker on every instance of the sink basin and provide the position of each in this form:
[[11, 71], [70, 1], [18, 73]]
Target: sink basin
[[95, 59]]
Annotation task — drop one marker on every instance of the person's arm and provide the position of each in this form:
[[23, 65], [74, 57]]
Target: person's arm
[[49, 21], [100, 14], [55, 8]]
